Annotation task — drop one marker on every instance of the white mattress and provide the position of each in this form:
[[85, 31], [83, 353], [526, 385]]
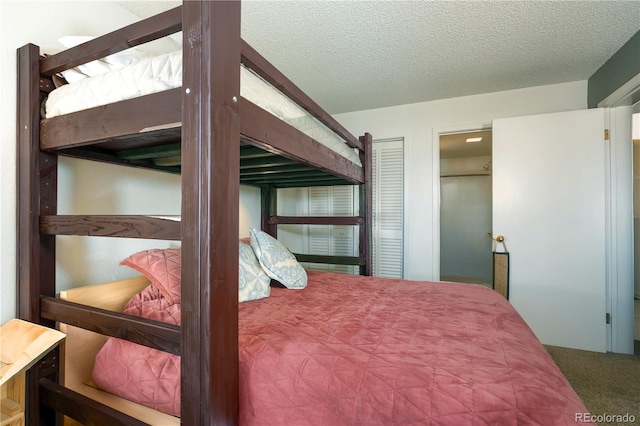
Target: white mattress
[[165, 72]]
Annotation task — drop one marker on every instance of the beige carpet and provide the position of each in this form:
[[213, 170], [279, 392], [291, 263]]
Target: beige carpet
[[607, 383]]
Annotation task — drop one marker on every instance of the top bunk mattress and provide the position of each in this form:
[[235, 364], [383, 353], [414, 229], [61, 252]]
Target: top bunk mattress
[[164, 72]]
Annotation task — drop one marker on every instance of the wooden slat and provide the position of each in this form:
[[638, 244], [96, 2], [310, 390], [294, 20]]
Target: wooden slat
[[269, 162], [129, 117], [210, 203], [169, 150], [265, 131], [111, 226], [266, 70], [304, 184], [297, 181], [79, 407], [88, 153], [155, 334], [315, 220], [282, 171], [157, 26], [249, 151], [330, 260]]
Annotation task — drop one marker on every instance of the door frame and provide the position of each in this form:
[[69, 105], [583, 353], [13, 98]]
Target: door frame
[[436, 133], [620, 292]]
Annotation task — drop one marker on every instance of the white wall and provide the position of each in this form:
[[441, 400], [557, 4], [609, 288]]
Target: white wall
[[85, 187], [417, 124]]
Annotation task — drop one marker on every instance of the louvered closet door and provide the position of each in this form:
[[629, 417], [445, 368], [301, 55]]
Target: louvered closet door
[[333, 240], [388, 208]]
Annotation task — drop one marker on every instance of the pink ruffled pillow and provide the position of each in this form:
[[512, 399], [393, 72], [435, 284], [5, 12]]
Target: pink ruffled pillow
[[161, 267]]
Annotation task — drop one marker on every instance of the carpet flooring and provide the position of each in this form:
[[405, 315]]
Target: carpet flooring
[[609, 384]]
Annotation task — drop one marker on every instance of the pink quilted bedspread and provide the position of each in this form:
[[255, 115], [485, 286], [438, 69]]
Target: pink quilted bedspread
[[354, 350]]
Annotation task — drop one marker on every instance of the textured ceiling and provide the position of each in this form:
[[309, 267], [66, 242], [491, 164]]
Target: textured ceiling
[[356, 55]]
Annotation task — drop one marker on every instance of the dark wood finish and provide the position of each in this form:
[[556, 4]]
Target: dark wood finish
[[150, 29], [162, 151], [301, 183], [366, 206], [268, 209], [155, 334], [120, 119], [264, 69], [269, 161], [293, 182], [111, 226], [46, 84], [316, 220], [249, 151], [83, 409], [37, 193], [210, 203], [91, 153], [264, 130], [28, 176], [331, 260], [282, 171]]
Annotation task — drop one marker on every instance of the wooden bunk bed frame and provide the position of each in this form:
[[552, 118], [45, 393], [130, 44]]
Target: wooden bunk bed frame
[[214, 119]]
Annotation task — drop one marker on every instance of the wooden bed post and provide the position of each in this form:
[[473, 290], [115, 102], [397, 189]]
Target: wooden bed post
[[268, 209], [366, 206], [37, 174], [37, 177], [210, 199]]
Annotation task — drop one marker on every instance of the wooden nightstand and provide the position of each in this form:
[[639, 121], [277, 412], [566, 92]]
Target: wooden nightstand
[[22, 344]]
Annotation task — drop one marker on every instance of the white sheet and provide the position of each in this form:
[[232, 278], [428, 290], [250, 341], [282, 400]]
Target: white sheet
[[164, 72]]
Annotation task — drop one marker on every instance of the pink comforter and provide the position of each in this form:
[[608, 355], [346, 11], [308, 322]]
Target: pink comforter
[[354, 350]]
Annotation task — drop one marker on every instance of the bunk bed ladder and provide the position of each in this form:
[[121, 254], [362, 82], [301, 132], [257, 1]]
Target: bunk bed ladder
[[37, 179]]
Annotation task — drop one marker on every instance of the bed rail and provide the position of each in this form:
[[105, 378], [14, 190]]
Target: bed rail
[[154, 334], [80, 408]]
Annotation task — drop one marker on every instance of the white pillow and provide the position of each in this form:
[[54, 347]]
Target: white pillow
[[277, 260], [253, 282]]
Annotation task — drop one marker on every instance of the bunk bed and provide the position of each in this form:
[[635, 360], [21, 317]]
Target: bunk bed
[[217, 139]]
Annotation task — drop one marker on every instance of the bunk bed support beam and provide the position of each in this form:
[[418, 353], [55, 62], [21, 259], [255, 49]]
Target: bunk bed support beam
[[269, 209], [366, 206], [35, 253], [210, 204]]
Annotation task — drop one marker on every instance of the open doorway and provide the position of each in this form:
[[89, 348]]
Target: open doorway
[[465, 207]]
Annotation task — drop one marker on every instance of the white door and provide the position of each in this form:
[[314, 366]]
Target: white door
[[549, 204]]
